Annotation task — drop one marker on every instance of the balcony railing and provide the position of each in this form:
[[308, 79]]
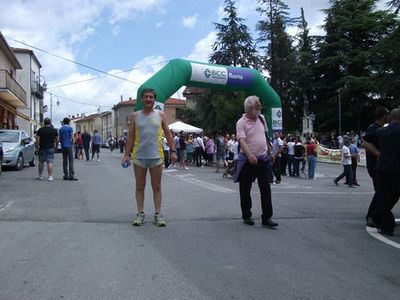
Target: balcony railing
[[38, 90], [11, 85]]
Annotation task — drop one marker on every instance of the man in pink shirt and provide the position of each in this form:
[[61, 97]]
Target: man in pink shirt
[[253, 161]]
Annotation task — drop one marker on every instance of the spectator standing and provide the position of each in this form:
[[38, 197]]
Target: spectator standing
[[299, 153], [221, 150], [355, 157], [277, 148], [381, 118], [166, 152], [198, 150], [110, 142], [183, 154], [388, 172], [121, 144], [190, 149], [86, 138], [96, 144], [290, 147], [253, 162], [66, 140], [78, 146], [46, 142], [311, 158], [210, 149]]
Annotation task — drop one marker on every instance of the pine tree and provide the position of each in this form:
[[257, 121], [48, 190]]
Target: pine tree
[[345, 64], [279, 57], [219, 110], [234, 45], [304, 78]]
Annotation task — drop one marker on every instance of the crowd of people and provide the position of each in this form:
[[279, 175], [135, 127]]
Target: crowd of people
[[250, 151]]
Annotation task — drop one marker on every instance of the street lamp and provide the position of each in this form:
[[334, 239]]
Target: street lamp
[[44, 85], [51, 104]]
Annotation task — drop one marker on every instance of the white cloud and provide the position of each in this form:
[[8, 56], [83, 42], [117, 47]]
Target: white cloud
[[103, 91], [190, 21], [202, 49], [159, 24], [129, 9]]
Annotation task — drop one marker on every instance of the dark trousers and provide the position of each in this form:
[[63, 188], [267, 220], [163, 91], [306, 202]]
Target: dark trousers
[[198, 156], [348, 173], [296, 171], [291, 164], [276, 168], [166, 158], [387, 194], [372, 206], [86, 148], [284, 162], [354, 168], [68, 162], [262, 171]]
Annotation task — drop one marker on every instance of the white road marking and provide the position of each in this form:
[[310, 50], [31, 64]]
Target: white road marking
[[374, 233], [281, 191], [3, 207], [209, 186]]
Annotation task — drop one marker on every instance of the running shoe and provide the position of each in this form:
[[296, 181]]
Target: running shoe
[[139, 220], [39, 177], [51, 178], [159, 220]]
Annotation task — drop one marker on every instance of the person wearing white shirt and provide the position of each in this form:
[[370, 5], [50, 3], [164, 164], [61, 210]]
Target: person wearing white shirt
[[346, 162], [290, 146]]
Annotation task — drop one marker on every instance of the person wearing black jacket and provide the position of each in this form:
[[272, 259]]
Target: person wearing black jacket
[[381, 118], [387, 192]]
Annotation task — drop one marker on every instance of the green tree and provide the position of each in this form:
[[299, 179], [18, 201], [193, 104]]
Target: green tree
[[345, 63], [234, 45], [279, 55], [386, 58], [219, 110], [304, 70]]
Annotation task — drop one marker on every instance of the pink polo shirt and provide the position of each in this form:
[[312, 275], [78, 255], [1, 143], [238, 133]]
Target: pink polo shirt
[[253, 133]]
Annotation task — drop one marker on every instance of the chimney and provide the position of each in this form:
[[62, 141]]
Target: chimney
[[122, 98]]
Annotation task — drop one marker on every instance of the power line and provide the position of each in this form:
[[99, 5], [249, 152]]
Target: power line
[[72, 61], [97, 77], [78, 102]]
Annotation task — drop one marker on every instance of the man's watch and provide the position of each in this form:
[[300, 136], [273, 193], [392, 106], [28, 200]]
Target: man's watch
[[172, 150]]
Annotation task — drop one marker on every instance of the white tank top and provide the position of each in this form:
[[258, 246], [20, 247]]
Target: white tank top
[[148, 136]]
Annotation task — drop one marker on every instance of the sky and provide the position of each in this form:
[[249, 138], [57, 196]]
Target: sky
[[130, 38]]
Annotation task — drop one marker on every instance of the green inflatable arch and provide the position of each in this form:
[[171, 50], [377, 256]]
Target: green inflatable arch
[[179, 72]]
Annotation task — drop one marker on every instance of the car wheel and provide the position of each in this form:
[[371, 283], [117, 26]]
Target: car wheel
[[32, 163], [20, 163]]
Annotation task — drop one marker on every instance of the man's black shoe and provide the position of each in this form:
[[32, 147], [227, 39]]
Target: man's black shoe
[[65, 177], [248, 221], [73, 179], [269, 223]]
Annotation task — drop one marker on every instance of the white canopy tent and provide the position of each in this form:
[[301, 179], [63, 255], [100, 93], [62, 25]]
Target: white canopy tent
[[179, 126]]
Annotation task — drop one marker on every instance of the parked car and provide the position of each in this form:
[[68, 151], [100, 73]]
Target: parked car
[[18, 148], [1, 155]]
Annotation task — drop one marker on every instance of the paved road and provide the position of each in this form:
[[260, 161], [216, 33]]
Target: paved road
[[74, 240]]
